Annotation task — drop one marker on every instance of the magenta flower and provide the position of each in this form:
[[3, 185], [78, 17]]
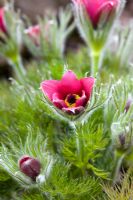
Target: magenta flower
[[2, 21], [96, 8], [34, 33], [69, 94]]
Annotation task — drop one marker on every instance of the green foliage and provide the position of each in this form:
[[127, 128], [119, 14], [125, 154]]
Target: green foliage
[[62, 186], [8, 189], [67, 188], [3, 176], [123, 191], [33, 196], [124, 45], [85, 147]]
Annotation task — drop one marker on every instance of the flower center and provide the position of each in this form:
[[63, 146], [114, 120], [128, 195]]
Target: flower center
[[70, 100]]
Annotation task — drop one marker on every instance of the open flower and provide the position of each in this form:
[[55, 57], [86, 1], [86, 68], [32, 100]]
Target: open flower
[[98, 8], [2, 21], [69, 94]]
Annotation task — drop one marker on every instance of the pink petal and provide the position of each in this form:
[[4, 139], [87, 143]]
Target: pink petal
[[82, 101], [59, 103], [106, 9], [74, 110], [2, 21], [69, 84], [49, 87], [33, 31], [23, 159], [87, 85], [91, 8], [94, 8]]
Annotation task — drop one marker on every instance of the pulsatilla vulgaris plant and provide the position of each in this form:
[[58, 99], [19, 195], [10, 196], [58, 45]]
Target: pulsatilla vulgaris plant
[[11, 32], [67, 133], [50, 34], [70, 94], [95, 21]]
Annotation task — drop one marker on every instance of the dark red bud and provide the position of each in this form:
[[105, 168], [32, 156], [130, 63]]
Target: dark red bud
[[128, 104], [122, 139], [30, 166]]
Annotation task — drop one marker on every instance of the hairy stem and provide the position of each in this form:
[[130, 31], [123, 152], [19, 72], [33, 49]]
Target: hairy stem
[[18, 68], [20, 72], [96, 62], [80, 147], [118, 162]]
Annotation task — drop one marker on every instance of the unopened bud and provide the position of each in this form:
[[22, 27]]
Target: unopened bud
[[121, 136], [128, 104], [122, 139], [30, 166], [97, 8]]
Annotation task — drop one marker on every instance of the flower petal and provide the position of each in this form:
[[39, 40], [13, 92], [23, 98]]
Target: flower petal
[[59, 103], [49, 87], [95, 8], [105, 9], [91, 8], [2, 20], [69, 84], [73, 110], [87, 85], [33, 31], [82, 100]]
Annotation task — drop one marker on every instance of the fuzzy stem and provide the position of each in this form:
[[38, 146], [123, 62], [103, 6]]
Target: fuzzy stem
[[80, 147], [118, 162], [20, 72], [80, 151], [18, 68], [77, 139], [96, 61]]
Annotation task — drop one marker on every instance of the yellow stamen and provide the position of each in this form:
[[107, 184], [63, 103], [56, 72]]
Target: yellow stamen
[[70, 100]]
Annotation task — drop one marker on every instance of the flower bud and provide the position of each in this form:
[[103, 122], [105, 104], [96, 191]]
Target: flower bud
[[97, 8], [2, 21], [121, 137], [30, 166], [34, 33], [128, 104]]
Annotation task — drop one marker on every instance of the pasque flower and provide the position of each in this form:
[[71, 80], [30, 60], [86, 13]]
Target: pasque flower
[[2, 21], [30, 166], [34, 32], [69, 94], [98, 8]]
